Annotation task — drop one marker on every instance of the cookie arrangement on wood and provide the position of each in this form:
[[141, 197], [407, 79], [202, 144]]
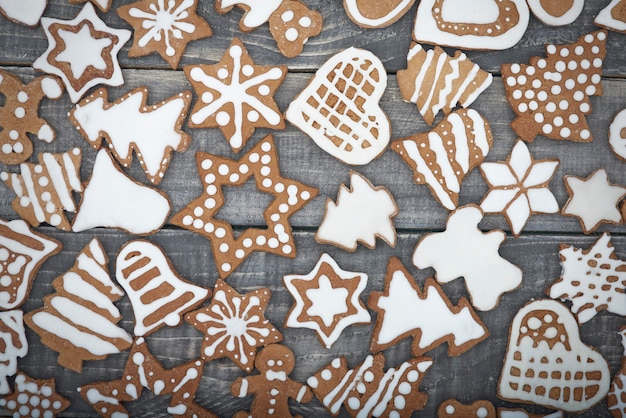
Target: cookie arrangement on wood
[[211, 276]]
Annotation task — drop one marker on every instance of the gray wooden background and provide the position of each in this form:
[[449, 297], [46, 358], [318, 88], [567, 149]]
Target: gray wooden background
[[469, 377]]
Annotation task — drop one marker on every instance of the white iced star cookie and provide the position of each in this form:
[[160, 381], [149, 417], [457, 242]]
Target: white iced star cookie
[[518, 187], [82, 52], [593, 200], [23, 12], [326, 300]]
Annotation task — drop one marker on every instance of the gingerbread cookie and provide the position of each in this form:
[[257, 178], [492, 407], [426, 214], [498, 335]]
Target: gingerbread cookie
[[617, 135], [522, 413], [13, 344], [158, 294], [291, 26], [593, 200], [327, 300], [443, 156], [616, 399], [164, 28], [491, 25], [82, 52], [19, 115], [406, 310], [519, 187], [453, 408], [44, 191], [613, 16], [234, 325], [367, 390], [23, 12], [79, 320], [255, 13], [273, 387], [376, 14], [362, 213], [128, 124], [547, 364], [112, 199], [22, 252], [34, 398], [550, 96], [143, 370], [339, 108], [103, 5], [556, 12], [435, 81], [593, 279], [261, 163], [463, 250], [236, 95]]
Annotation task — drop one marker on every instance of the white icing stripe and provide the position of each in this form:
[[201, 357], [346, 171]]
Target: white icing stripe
[[373, 399], [382, 405], [30, 187], [243, 390], [78, 338], [75, 285], [422, 167], [461, 143], [96, 271], [93, 396], [447, 83], [190, 374], [301, 394], [16, 183], [347, 386], [55, 171], [441, 156], [478, 89], [87, 318], [469, 76], [419, 80], [443, 58], [70, 170], [480, 135], [97, 252]]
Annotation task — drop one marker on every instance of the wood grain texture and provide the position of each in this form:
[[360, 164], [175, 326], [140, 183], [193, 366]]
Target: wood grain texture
[[469, 377]]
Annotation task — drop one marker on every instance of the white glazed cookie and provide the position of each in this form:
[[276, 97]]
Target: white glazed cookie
[[546, 362], [463, 250], [14, 344], [327, 300], [24, 12], [374, 13], [478, 25], [339, 107], [617, 135], [361, 214], [556, 12], [613, 16]]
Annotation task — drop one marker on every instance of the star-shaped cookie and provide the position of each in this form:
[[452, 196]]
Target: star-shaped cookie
[[236, 95], [593, 200], [234, 325], [34, 398], [261, 162], [327, 300], [82, 52], [164, 26], [143, 370]]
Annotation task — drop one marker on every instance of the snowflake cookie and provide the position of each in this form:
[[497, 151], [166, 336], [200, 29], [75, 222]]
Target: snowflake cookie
[[14, 344], [143, 370], [34, 398], [128, 124], [236, 95], [406, 310], [327, 300], [613, 16], [616, 399], [82, 52], [234, 325], [593, 279], [164, 26], [550, 96], [370, 391], [518, 187], [593, 200], [19, 115], [362, 213], [260, 163], [23, 12], [463, 250]]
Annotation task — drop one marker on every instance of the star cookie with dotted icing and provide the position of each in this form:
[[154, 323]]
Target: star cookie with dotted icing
[[164, 27], [34, 398], [236, 95], [261, 162], [82, 52], [234, 325]]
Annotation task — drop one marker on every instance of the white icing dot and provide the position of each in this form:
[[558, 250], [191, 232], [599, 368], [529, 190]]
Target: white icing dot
[[521, 79], [247, 242], [584, 107], [272, 243], [590, 90], [597, 62], [261, 240], [542, 96], [287, 249], [450, 409], [412, 376], [275, 217], [563, 104], [558, 121], [226, 267], [187, 220], [224, 247], [7, 149], [596, 78], [529, 94], [243, 168], [266, 146], [18, 147], [265, 171], [589, 38], [522, 107], [305, 21], [404, 388], [20, 112], [247, 70], [511, 81], [13, 134], [305, 195], [565, 132], [542, 63], [570, 84], [209, 179], [595, 49], [551, 49], [564, 52], [209, 228], [211, 189], [240, 253], [291, 34], [582, 78], [482, 411], [222, 118], [5, 281], [55, 220], [533, 105], [585, 134], [198, 211], [267, 183], [573, 118], [539, 118], [579, 96], [220, 232], [517, 94], [222, 73], [556, 90], [223, 169], [283, 207], [579, 50], [22, 97], [287, 16], [234, 178], [551, 107], [253, 116], [515, 68], [326, 374], [546, 128], [353, 402], [572, 65], [601, 36], [207, 97], [264, 90], [585, 64], [399, 402], [198, 224], [206, 164], [254, 157], [266, 159]]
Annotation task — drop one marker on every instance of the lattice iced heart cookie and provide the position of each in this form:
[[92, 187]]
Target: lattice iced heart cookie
[[556, 12], [376, 14], [339, 108], [547, 364], [443, 156], [613, 16]]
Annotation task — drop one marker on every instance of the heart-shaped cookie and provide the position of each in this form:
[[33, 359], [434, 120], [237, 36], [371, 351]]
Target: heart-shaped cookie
[[547, 364], [339, 108]]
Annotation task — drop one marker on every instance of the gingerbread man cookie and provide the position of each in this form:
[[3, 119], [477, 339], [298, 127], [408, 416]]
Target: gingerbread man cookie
[[451, 408]]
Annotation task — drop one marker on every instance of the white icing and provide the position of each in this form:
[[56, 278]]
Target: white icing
[[320, 127], [469, 12], [352, 7], [617, 134], [455, 253], [27, 12], [257, 12], [170, 306], [82, 51], [361, 214], [328, 303], [243, 389], [535, 352], [13, 320], [606, 19], [593, 200], [153, 131], [56, 174], [114, 200], [75, 285], [94, 396], [565, 19]]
